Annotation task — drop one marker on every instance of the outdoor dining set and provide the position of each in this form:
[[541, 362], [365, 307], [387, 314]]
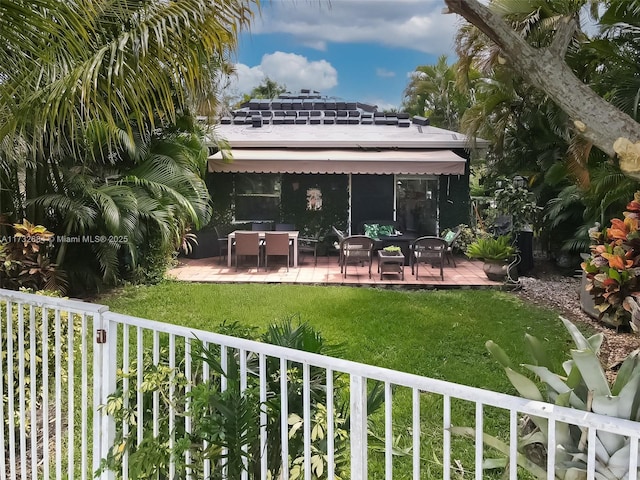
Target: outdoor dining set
[[261, 246]]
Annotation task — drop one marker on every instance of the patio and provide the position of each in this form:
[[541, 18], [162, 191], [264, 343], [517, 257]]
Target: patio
[[467, 274]]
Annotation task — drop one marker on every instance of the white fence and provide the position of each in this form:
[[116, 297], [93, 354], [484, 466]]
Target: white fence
[[61, 360]]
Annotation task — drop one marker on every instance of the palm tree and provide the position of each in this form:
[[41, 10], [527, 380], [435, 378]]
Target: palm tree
[[534, 137], [151, 194], [90, 96], [125, 64], [433, 92]]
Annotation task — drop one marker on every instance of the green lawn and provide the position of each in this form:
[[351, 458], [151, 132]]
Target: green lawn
[[440, 334]]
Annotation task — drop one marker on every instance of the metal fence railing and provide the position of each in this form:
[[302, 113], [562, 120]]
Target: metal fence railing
[[86, 390]]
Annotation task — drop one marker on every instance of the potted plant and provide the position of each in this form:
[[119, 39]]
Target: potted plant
[[612, 269], [496, 253], [392, 250]]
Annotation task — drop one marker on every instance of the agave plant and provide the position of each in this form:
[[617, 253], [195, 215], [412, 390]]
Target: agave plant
[[583, 385]]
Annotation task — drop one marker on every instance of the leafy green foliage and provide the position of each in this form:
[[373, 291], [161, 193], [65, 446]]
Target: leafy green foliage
[[21, 340], [100, 141], [224, 426], [612, 269], [520, 203], [25, 260], [582, 385], [466, 236], [491, 248]]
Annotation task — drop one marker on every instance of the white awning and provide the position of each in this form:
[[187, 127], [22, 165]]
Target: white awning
[[386, 162]]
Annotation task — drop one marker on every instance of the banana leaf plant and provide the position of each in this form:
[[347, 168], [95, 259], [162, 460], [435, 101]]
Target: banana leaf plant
[[583, 385]]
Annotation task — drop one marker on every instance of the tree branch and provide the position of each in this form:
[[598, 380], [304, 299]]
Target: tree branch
[[594, 118], [564, 33]]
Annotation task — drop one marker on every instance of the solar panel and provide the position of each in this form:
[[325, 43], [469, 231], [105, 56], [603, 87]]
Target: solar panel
[[420, 120]]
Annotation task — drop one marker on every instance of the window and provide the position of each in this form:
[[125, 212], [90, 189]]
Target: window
[[417, 205], [257, 196]]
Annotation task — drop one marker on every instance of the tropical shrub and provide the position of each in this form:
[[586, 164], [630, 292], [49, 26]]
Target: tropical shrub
[[613, 269], [520, 203], [21, 339], [582, 385], [492, 249], [25, 260], [466, 237], [224, 422]]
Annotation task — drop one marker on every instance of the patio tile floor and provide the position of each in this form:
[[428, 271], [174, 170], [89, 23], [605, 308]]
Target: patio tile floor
[[467, 274]]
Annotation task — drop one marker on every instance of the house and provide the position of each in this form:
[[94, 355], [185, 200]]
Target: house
[[313, 161]]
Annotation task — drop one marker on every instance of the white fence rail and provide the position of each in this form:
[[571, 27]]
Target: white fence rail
[[74, 395]]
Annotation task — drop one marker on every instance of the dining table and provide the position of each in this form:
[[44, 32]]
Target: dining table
[[293, 239]]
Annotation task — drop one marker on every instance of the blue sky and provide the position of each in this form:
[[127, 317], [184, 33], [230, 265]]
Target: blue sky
[[359, 50]]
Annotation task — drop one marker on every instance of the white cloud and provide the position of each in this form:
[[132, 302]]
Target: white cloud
[[417, 24], [294, 71], [316, 45], [383, 72]]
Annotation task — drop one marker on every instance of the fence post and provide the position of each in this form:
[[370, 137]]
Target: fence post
[[358, 404], [105, 336]]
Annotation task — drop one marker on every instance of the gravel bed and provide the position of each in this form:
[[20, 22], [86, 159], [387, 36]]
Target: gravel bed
[[561, 293]]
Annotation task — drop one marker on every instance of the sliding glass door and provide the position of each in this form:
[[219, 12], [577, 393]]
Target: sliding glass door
[[417, 204]]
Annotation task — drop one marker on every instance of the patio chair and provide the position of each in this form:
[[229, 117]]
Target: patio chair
[[310, 245], [356, 249], [428, 250], [261, 226], [248, 244], [223, 243], [276, 244], [285, 227], [341, 236], [450, 239]]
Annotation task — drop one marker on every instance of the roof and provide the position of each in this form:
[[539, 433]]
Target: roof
[[315, 134]]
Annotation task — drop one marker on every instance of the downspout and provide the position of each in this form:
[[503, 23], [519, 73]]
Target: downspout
[[349, 209]]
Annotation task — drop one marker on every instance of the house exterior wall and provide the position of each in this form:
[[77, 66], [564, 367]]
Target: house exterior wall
[[454, 199], [372, 198]]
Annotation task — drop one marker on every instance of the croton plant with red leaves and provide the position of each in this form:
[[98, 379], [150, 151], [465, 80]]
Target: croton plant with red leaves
[[613, 269]]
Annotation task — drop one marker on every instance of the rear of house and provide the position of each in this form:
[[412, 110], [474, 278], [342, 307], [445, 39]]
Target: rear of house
[[308, 160]]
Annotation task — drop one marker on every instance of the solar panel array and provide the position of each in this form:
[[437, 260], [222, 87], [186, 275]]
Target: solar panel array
[[314, 110]]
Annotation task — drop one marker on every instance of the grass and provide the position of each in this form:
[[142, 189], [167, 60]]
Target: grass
[[440, 334]]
